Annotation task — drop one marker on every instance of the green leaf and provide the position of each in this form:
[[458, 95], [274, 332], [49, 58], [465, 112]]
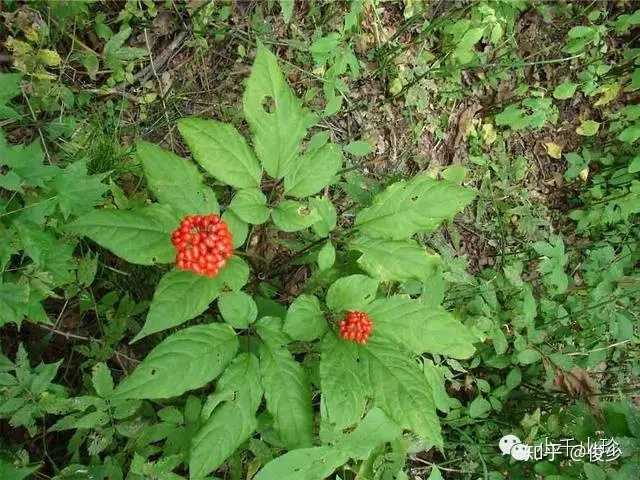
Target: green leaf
[[630, 134], [327, 214], [435, 378], [305, 320], [9, 86], [420, 328], [344, 388], [480, 407], [286, 388], [238, 228], [235, 273], [529, 356], [221, 151], [139, 236], [313, 171], [634, 166], [409, 207], [77, 192], [594, 472], [292, 216], [238, 309], [565, 90], [326, 256], [278, 128], [25, 164], [250, 205], [316, 463], [195, 293], [176, 181], [400, 389], [14, 301], [464, 49], [359, 148], [232, 423], [351, 293], [286, 7], [9, 472], [102, 380], [186, 360], [409, 259], [376, 429], [588, 128]]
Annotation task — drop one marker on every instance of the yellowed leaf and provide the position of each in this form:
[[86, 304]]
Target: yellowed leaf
[[584, 174], [489, 133], [553, 150], [608, 93]]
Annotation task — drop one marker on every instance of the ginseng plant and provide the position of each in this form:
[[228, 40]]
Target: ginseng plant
[[370, 358]]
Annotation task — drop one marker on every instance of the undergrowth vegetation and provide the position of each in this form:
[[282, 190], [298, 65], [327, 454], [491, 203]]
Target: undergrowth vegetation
[[304, 240]]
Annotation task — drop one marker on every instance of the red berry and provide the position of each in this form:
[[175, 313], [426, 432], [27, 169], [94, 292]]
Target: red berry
[[203, 244], [356, 327]]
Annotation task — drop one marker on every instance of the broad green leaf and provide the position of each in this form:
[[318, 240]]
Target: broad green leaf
[[326, 256], [305, 320], [395, 260], [513, 117], [14, 302], [175, 181], [250, 205], [139, 236], [238, 228], [77, 192], [232, 423], [630, 134], [376, 429], [179, 296], [235, 273], [464, 49], [565, 90], [435, 474], [480, 407], [400, 389], [291, 216], [420, 328], [313, 171], [276, 117], [409, 207], [528, 356], [221, 151], [102, 380], [326, 212], [594, 472], [359, 148], [238, 309], [316, 463], [351, 293], [186, 360], [286, 7], [344, 388], [435, 378], [634, 166], [10, 472], [286, 388], [9, 86], [588, 128]]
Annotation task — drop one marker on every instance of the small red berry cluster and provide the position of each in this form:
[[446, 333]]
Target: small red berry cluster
[[356, 327], [203, 243]]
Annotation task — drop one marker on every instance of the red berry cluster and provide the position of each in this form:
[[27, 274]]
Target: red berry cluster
[[356, 327], [203, 243]]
